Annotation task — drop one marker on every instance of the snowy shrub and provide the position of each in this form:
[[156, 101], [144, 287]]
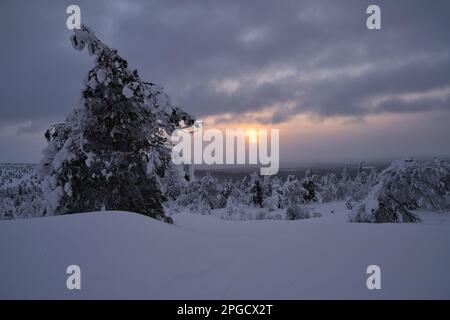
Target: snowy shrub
[[342, 187], [184, 200], [238, 214], [293, 193], [316, 214], [297, 212], [261, 215], [171, 208], [274, 216], [7, 209], [272, 203], [446, 201], [244, 215], [201, 196], [226, 189], [332, 188], [328, 188], [231, 206], [203, 207], [211, 192], [405, 185], [381, 208], [359, 188], [242, 192], [198, 205], [309, 183]]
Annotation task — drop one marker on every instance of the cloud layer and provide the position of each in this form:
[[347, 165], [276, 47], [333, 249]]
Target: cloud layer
[[261, 61]]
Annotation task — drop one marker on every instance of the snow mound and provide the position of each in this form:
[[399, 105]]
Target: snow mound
[[125, 255]]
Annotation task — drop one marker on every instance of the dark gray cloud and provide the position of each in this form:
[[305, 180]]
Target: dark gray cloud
[[233, 56], [333, 65]]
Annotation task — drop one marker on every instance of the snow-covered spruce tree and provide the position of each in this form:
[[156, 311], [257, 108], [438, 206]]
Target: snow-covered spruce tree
[[256, 190], [110, 153], [406, 185], [309, 183]]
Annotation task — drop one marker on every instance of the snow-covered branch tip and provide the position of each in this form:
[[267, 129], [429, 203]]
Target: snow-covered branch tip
[[86, 37]]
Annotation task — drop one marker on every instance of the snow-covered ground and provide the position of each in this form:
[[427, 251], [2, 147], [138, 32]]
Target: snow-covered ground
[[125, 255]]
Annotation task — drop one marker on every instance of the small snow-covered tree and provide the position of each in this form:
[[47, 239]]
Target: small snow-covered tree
[[406, 185], [243, 193], [373, 177], [359, 187], [293, 192], [211, 192], [111, 153], [298, 212], [267, 186], [309, 183], [227, 188], [256, 190], [343, 185], [328, 188], [231, 206], [271, 202], [7, 209]]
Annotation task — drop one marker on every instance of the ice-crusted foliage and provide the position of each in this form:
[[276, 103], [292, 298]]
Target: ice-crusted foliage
[[232, 206], [242, 191], [333, 188], [11, 175], [293, 192], [358, 188], [20, 193], [201, 195], [273, 202], [422, 185], [328, 187], [211, 192], [113, 153], [406, 185]]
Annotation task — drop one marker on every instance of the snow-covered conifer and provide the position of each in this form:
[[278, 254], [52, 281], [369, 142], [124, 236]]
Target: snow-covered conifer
[[110, 153], [406, 185], [309, 183]]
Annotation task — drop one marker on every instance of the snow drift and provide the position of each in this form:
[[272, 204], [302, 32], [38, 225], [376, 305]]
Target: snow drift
[[125, 255]]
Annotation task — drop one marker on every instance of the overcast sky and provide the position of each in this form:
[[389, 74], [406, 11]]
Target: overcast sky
[[337, 90]]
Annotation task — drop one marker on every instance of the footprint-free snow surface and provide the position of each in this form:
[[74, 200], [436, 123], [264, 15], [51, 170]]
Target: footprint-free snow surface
[[125, 255]]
